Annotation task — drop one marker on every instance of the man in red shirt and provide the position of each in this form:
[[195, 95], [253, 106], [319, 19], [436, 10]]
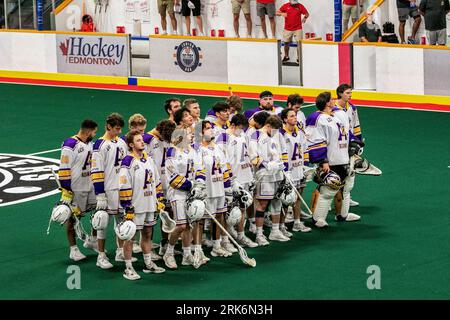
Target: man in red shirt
[[350, 9], [292, 13]]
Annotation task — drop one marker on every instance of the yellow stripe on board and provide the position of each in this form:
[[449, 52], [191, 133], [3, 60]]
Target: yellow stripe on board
[[65, 32]]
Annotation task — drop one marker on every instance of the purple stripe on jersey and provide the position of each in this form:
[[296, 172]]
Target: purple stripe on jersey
[[186, 186], [124, 138], [317, 155], [69, 143], [147, 137], [222, 138], [211, 112], [126, 162], [66, 184], [249, 113], [170, 152], [227, 184], [97, 144], [125, 203], [255, 135], [352, 105], [312, 118], [99, 187]]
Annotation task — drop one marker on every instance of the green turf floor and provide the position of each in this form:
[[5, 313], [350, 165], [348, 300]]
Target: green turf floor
[[404, 228]]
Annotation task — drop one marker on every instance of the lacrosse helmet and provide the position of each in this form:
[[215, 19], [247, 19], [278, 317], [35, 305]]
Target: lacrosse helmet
[[330, 179], [195, 210], [125, 230], [288, 197], [234, 216], [61, 213], [100, 220]]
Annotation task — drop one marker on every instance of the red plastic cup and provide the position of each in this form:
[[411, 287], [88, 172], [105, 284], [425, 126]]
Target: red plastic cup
[[221, 33], [194, 32], [423, 40], [120, 29], [307, 35], [156, 30], [313, 35], [213, 33], [329, 37]]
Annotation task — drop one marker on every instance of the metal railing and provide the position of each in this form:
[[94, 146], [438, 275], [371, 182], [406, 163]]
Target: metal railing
[[26, 14]]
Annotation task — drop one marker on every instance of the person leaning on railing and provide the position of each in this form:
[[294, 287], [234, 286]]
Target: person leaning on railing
[[369, 31]]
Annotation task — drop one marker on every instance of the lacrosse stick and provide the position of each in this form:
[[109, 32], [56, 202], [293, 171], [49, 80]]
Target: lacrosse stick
[[242, 253], [298, 193], [167, 223]]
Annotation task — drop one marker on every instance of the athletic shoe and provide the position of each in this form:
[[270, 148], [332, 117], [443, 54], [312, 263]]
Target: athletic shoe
[[252, 228], [205, 259], [285, 232], [262, 241], [305, 215], [350, 217], [353, 203], [246, 242], [285, 59], [320, 223], [121, 258], [155, 256], [170, 262], [131, 274], [76, 255], [153, 268], [91, 243], [277, 235], [299, 226], [220, 252], [206, 242], [188, 260], [103, 262], [229, 247], [137, 247], [197, 260], [411, 40]]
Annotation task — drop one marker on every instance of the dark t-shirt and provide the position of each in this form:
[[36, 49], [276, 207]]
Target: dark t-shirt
[[403, 4], [370, 32], [435, 11]]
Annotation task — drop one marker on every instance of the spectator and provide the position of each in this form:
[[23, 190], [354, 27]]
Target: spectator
[[292, 13], [434, 12], [406, 9], [263, 8], [194, 108], [87, 24], [237, 6], [186, 7], [166, 7], [350, 9], [389, 35], [369, 31], [235, 103]]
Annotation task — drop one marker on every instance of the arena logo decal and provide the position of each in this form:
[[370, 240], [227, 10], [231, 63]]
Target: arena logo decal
[[99, 51], [25, 178], [187, 56]]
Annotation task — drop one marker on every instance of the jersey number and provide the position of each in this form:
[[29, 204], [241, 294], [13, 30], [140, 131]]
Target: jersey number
[[87, 161]]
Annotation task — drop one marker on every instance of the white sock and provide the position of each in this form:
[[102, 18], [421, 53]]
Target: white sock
[[225, 239], [147, 258], [297, 221], [282, 226], [170, 249], [259, 231], [119, 251], [241, 234], [128, 264], [216, 244], [102, 255], [73, 247], [186, 251], [275, 226]]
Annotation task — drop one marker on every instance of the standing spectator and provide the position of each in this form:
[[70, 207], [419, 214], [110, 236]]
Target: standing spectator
[[406, 9], [87, 24], [434, 12], [369, 31], [350, 9], [263, 8], [292, 13], [186, 7], [166, 7], [237, 6]]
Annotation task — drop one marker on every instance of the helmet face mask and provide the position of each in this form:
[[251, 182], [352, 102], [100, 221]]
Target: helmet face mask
[[330, 179]]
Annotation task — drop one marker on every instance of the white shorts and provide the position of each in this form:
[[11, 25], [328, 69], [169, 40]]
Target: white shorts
[[179, 211], [266, 190], [274, 207], [112, 197], [85, 200], [145, 219], [215, 205]]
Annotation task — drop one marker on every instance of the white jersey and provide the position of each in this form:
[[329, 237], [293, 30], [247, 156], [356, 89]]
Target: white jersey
[[301, 121], [217, 174], [296, 146], [219, 129], [75, 165], [263, 149], [139, 183], [106, 158], [182, 168], [353, 117], [327, 139], [157, 149]]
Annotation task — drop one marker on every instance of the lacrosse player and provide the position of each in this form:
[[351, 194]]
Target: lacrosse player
[[108, 152], [328, 147], [296, 146], [140, 196], [222, 113], [265, 104], [171, 105], [74, 176], [268, 155]]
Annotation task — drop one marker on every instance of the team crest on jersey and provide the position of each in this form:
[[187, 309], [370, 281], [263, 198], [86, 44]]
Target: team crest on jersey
[[25, 178], [188, 56]]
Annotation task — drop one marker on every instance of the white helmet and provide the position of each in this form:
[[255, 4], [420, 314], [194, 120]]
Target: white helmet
[[234, 216], [61, 213], [246, 198], [125, 230], [288, 197], [195, 210], [100, 220]]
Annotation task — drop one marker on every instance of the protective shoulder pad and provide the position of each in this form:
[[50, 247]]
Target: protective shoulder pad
[[126, 162], [312, 118], [98, 144], [69, 143]]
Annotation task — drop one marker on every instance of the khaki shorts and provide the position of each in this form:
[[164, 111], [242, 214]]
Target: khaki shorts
[[237, 6], [349, 11], [165, 6], [288, 35]]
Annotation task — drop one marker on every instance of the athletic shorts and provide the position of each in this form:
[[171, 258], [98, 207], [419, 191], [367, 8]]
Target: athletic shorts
[[263, 9], [405, 13], [165, 6], [144, 219], [186, 11], [437, 37], [112, 197], [85, 200], [266, 190], [274, 207], [349, 11], [179, 211], [215, 206], [289, 35], [237, 6]]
